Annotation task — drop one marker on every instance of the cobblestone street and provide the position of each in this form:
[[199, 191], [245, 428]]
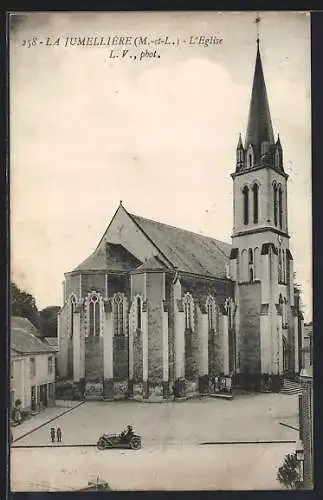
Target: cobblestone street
[[246, 418], [171, 457]]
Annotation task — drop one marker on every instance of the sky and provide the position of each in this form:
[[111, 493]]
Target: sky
[[160, 134]]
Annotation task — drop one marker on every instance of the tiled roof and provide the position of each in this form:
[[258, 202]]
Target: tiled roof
[[187, 251], [111, 257], [24, 339]]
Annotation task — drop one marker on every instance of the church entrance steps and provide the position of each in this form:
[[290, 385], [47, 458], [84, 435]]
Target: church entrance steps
[[290, 387]]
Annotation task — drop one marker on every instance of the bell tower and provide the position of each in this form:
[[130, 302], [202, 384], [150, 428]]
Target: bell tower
[[261, 262]]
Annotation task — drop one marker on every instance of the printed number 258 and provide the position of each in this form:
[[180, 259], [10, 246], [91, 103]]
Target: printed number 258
[[30, 43]]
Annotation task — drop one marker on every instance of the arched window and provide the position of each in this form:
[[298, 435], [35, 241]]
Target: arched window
[[250, 256], [188, 311], [251, 275], [284, 314], [283, 266], [118, 317], [94, 315], [255, 190], [275, 204], [244, 266], [280, 204], [72, 310], [280, 266], [256, 265], [245, 205], [212, 314], [229, 307], [138, 313]]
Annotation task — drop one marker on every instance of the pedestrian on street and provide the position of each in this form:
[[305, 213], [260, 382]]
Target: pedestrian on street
[[59, 435], [52, 434]]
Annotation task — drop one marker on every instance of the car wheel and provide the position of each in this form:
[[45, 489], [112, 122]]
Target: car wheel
[[101, 444], [135, 443]]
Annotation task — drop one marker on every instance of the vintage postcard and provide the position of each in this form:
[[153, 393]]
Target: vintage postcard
[[161, 321]]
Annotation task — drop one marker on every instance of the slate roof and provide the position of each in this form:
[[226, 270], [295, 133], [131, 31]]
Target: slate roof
[[187, 251], [52, 342], [259, 122], [24, 339], [152, 264], [179, 249], [111, 257]]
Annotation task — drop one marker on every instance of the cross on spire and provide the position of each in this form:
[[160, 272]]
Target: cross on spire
[[257, 21]]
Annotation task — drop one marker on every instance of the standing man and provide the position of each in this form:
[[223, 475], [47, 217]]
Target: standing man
[[59, 435], [52, 434]]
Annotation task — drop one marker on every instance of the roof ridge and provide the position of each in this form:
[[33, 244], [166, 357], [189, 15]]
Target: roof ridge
[[180, 229]]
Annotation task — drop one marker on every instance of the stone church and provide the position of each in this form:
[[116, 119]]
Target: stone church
[[158, 310]]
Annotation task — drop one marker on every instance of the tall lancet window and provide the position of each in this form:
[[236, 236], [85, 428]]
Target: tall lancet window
[[72, 310], [138, 313], [255, 190], [245, 205], [94, 315], [280, 205], [275, 204], [280, 266], [212, 314], [118, 316], [250, 262], [188, 311]]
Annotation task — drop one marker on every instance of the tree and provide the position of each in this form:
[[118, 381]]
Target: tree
[[23, 304], [289, 473], [48, 319]]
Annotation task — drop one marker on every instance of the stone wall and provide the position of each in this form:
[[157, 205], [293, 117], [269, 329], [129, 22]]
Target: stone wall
[[119, 284], [215, 354], [154, 283], [63, 341], [250, 361], [70, 359], [72, 284], [138, 285], [171, 319], [137, 356], [94, 358], [94, 281], [120, 357]]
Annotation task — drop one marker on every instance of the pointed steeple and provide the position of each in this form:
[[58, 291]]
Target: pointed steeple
[[239, 145], [260, 127]]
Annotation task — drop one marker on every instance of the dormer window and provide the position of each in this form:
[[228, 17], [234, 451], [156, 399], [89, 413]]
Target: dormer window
[[277, 158]]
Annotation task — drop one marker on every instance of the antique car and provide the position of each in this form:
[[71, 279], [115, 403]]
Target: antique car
[[123, 440]]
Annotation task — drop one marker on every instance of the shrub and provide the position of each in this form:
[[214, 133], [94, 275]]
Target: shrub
[[289, 473]]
